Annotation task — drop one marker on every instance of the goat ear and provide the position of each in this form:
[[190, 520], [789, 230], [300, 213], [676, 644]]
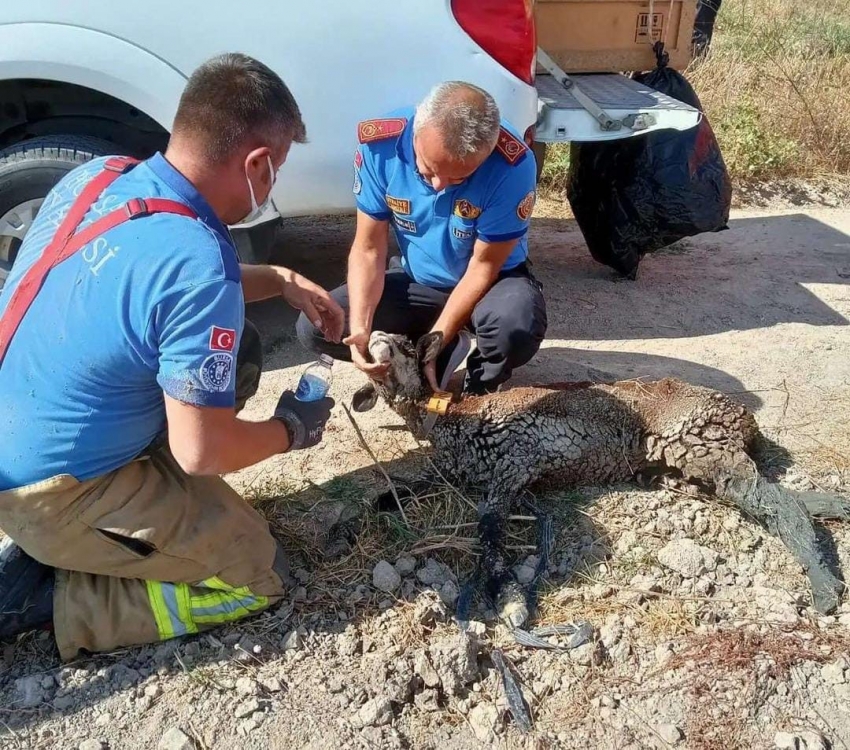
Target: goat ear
[[365, 398], [428, 347]]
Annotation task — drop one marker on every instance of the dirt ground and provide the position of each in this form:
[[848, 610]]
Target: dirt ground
[[731, 657]]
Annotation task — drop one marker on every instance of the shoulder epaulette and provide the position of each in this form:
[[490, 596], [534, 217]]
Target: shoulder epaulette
[[379, 130], [511, 147]]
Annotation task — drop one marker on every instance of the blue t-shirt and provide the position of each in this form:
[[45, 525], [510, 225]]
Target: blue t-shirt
[[153, 305], [436, 232]]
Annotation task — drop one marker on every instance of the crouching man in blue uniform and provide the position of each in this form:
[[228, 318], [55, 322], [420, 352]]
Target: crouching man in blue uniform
[[457, 186]]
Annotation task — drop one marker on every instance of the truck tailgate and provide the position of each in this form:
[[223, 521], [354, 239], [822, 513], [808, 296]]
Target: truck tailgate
[[562, 117]]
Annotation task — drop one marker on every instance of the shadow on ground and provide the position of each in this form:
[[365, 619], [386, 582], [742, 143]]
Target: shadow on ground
[[753, 275]]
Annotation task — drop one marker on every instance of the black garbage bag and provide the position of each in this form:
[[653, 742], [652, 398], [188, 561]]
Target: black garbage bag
[[636, 195]]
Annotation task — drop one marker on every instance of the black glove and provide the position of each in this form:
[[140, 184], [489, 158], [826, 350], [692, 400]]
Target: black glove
[[305, 420]]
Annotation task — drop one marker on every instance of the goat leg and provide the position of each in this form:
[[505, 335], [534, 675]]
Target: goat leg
[[824, 505], [785, 514]]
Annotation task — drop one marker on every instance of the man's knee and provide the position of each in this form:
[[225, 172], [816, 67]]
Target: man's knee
[[515, 330]]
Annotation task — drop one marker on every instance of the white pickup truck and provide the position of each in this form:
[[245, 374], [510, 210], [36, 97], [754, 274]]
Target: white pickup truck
[[90, 77]]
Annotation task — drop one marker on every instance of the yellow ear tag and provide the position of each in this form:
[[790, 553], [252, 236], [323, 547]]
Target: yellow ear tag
[[439, 403]]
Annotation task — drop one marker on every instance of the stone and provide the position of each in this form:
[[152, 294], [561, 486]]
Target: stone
[[246, 686], [449, 593], [93, 745], [663, 653], [483, 719], [175, 739], [29, 692], [377, 712], [64, 702], [250, 706], [786, 741], [524, 574], [687, 558], [586, 655], [810, 740], [627, 541], [292, 641], [428, 700], [405, 565], [670, 733], [833, 673], [153, 691], [455, 660], [270, 684], [423, 667], [476, 627], [103, 720], [429, 609], [300, 594], [433, 573], [385, 577]]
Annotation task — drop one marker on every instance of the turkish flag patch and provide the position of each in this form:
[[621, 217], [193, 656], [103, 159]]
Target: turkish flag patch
[[222, 339]]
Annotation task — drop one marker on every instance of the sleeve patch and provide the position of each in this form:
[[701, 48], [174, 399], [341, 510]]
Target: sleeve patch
[[510, 147], [399, 205], [526, 206], [222, 339], [379, 130], [466, 210], [215, 372]]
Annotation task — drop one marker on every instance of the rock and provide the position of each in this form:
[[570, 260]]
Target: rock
[[301, 575], [429, 609], [449, 593], [153, 691], [433, 573], [48, 683], [405, 565], [476, 627], [810, 740], [628, 540], [29, 692], [586, 655], [423, 667], [687, 558], [786, 741], [247, 686], [483, 719], [524, 574], [385, 577], [455, 660], [300, 594], [103, 720], [93, 745], [428, 700], [833, 673], [270, 684], [250, 706], [292, 641], [670, 733], [64, 702], [663, 652], [611, 633], [377, 712], [175, 739]]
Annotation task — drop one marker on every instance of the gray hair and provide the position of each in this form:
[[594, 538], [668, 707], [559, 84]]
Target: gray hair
[[466, 116]]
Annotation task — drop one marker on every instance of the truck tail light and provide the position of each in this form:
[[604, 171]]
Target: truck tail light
[[504, 29]]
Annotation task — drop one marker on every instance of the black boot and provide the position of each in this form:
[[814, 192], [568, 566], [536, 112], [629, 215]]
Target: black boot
[[26, 591]]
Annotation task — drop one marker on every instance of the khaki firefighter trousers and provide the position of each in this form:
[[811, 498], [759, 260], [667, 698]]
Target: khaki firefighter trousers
[[146, 552]]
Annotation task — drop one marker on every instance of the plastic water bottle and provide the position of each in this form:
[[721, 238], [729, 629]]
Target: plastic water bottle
[[316, 380]]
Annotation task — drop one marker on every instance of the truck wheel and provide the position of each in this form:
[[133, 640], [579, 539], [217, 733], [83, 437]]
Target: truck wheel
[[28, 172]]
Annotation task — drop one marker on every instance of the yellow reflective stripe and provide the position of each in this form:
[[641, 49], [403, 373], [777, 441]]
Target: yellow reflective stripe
[[160, 610], [184, 607]]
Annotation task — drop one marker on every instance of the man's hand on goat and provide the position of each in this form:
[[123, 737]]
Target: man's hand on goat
[[322, 310], [359, 345]]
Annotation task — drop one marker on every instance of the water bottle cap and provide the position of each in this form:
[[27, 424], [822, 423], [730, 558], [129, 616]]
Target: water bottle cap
[[326, 359]]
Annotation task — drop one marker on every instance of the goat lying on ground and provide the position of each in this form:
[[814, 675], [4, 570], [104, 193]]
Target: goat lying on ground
[[583, 434]]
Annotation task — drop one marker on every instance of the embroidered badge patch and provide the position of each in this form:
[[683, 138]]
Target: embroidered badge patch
[[222, 339], [406, 224], [461, 234], [215, 372], [398, 205], [358, 160], [526, 206], [510, 147], [378, 130], [466, 210], [358, 183]]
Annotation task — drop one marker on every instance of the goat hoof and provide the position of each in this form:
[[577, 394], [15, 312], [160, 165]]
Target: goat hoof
[[511, 605], [826, 592]]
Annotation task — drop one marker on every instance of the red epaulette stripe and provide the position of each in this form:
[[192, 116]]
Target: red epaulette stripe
[[379, 130], [510, 147]]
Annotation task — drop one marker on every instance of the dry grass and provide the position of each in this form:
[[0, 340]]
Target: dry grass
[[774, 88]]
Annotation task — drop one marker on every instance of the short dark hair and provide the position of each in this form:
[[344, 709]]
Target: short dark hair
[[233, 98]]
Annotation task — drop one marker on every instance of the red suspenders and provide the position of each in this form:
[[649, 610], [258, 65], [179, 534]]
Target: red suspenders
[[65, 242]]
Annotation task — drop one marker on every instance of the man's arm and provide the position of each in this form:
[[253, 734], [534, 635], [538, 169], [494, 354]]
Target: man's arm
[[367, 264], [265, 282], [209, 440]]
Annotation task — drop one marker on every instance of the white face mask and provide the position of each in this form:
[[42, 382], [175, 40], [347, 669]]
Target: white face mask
[[255, 209]]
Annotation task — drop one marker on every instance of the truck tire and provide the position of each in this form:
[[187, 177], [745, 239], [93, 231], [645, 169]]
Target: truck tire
[[28, 172]]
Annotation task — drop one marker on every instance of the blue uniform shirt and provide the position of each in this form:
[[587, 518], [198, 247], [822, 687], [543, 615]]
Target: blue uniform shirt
[[153, 305], [436, 232]]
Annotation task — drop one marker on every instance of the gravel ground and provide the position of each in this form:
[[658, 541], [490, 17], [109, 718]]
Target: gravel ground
[[702, 632]]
